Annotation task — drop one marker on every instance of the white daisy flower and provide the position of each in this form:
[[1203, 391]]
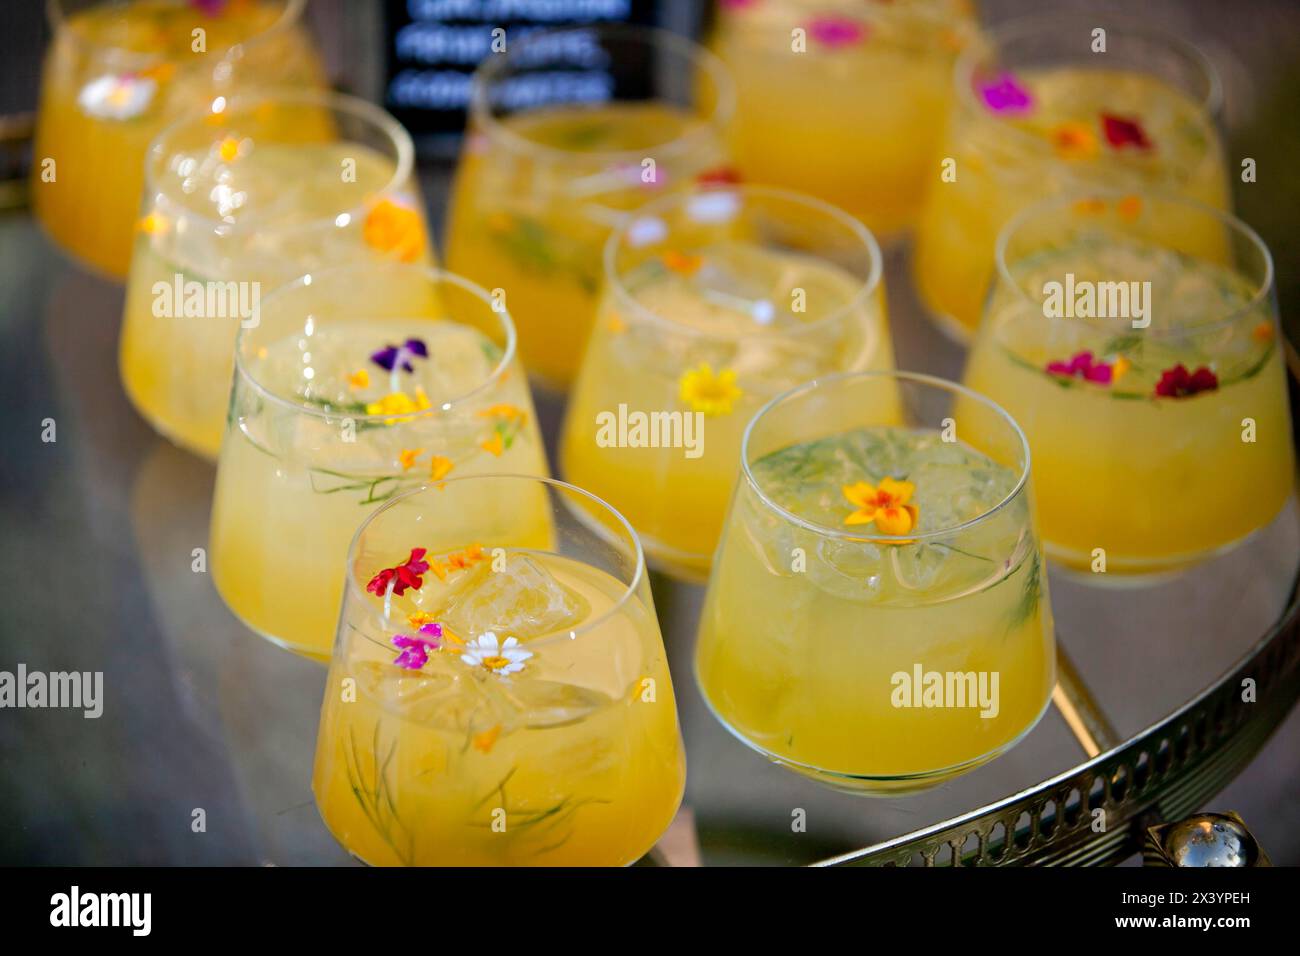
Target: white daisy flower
[[117, 97], [485, 651]]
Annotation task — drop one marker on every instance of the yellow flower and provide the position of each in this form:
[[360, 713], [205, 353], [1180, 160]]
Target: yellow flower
[[704, 391], [394, 229], [1119, 368], [496, 444], [419, 619], [229, 149], [359, 379], [886, 505], [154, 225], [399, 403], [510, 413], [407, 457], [1074, 141], [439, 465]]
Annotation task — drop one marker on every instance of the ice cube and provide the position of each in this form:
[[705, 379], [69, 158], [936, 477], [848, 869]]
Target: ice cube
[[521, 600]]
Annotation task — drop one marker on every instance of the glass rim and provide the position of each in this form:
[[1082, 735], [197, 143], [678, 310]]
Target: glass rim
[[854, 225], [995, 38], [629, 588], [393, 418], [912, 537], [58, 19], [363, 110], [480, 107], [1045, 207]]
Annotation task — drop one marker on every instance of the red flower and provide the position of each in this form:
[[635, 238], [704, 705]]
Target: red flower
[[1177, 382], [1122, 132], [405, 575]]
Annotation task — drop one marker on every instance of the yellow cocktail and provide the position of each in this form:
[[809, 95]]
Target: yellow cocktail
[[1038, 114], [496, 699], [878, 616], [539, 189], [359, 383], [716, 300], [238, 202], [1135, 340], [116, 74], [844, 99]]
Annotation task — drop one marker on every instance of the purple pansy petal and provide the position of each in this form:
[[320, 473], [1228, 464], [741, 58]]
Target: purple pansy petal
[[417, 347], [385, 358], [1006, 95]]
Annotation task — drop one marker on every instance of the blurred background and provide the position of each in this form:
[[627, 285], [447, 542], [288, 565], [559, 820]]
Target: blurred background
[[95, 536]]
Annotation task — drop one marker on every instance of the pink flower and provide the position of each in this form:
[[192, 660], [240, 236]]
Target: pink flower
[[415, 650], [1085, 367], [1006, 95], [836, 31], [1178, 382], [403, 576]]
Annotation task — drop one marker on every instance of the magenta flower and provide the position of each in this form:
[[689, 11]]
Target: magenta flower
[[399, 356], [1006, 95], [1085, 367], [1178, 382], [415, 650], [1121, 132], [836, 31]]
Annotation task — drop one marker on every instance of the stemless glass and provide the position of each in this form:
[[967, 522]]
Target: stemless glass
[[359, 382], [513, 709], [1135, 338], [568, 131], [717, 299], [1038, 112], [878, 616], [253, 194], [116, 73], [852, 109]]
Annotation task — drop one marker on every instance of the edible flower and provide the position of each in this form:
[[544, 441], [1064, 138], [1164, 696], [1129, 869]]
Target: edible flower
[[836, 31], [396, 229], [1178, 382], [229, 149], [1074, 141], [487, 739], [1129, 208], [1262, 332], [1121, 132], [1006, 95], [485, 651], [683, 263], [886, 505], [509, 413], [439, 466], [707, 392], [399, 356], [418, 619], [359, 379], [408, 574], [399, 403], [719, 176], [415, 650], [1083, 365]]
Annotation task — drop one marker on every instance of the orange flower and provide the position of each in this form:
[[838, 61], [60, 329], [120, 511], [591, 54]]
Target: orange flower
[[419, 619], [510, 413], [1263, 332], [394, 229], [439, 466], [438, 568], [485, 740], [1074, 141], [1129, 208], [496, 444], [1089, 207], [229, 149], [359, 379], [154, 225], [681, 262], [1120, 366], [407, 457], [886, 505]]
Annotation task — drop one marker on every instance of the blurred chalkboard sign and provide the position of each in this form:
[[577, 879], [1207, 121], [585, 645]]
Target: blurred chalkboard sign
[[432, 46]]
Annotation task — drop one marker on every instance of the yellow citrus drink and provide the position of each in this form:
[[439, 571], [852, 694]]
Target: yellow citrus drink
[[1017, 135], [852, 106], [1178, 437], [538, 192], [696, 333], [877, 616], [116, 74], [498, 696], [241, 202], [320, 433]]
